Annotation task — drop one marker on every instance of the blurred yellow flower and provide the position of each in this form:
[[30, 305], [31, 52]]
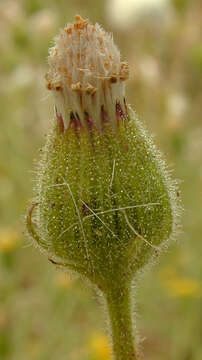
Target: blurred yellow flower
[[178, 286], [9, 240], [63, 280], [99, 347], [184, 287]]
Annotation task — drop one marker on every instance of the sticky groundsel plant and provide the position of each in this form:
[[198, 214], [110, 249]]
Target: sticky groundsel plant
[[105, 204]]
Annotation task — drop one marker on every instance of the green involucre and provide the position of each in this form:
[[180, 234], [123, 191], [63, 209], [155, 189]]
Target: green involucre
[[106, 203]]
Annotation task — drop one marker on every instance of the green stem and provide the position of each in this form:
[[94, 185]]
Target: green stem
[[120, 314]]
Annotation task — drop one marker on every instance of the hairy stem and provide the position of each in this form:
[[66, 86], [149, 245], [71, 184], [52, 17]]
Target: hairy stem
[[120, 315]]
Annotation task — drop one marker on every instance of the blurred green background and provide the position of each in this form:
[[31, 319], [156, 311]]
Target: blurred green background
[[45, 314]]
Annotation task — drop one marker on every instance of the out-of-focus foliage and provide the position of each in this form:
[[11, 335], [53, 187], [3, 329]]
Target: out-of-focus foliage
[[45, 314]]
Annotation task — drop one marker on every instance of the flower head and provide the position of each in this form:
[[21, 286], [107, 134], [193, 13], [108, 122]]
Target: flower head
[[87, 75], [106, 203]]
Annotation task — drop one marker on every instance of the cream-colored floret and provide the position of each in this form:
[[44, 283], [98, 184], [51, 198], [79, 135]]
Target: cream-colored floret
[[85, 72]]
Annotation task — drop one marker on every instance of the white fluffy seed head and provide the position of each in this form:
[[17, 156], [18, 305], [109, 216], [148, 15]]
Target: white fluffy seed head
[[86, 73]]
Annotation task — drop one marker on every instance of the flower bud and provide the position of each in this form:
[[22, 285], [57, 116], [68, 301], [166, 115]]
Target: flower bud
[[105, 201]]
